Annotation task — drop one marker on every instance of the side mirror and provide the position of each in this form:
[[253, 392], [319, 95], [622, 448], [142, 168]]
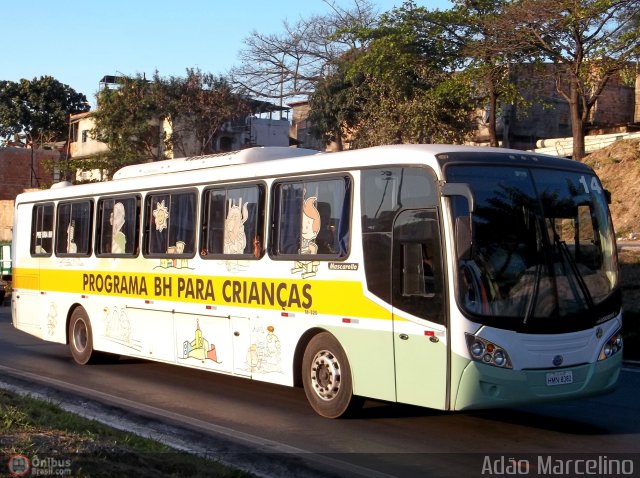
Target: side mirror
[[460, 189], [463, 226]]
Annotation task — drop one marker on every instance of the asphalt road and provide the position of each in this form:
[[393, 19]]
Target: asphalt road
[[231, 416]]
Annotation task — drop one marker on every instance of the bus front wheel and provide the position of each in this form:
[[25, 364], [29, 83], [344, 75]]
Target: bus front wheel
[[326, 377], [80, 336]]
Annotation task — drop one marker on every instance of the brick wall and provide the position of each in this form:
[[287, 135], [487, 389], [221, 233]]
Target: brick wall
[[15, 170]]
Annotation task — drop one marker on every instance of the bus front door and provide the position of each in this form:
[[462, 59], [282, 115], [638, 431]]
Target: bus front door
[[419, 326]]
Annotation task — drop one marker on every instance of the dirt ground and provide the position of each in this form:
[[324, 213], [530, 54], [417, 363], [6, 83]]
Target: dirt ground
[[618, 167]]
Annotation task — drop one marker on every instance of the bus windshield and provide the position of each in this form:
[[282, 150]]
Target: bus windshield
[[543, 250]]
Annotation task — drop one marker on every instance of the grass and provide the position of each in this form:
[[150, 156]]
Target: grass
[[74, 446]]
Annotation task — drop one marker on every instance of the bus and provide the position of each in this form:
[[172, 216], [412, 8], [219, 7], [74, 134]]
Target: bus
[[442, 276]]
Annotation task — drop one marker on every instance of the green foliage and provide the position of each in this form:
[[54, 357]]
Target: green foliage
[[589, 41], [12, 417], [37, 428], [35, 112], [196, 106], [132, 118], [394, 91], [127, 121]]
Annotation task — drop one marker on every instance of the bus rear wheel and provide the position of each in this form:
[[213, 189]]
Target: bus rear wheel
[[326, 377], [80, 337]]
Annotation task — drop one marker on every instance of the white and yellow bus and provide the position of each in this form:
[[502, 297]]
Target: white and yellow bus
[[447, 277]]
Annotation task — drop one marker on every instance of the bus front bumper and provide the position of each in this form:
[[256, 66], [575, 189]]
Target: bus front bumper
[[485, 386]]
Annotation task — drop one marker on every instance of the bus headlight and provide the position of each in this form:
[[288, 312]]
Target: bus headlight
[[611, 346], [482, 350]]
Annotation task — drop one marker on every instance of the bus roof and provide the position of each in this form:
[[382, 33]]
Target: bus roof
[[244, 156], [269, 161]]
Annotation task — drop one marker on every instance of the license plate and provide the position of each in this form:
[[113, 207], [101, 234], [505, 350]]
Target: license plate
[[559, 378]]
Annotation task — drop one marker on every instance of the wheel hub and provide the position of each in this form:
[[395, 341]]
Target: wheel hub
[[80, 336], [325, 375]]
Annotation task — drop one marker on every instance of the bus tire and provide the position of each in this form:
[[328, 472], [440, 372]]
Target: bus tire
[[80, 336], [326, 377]]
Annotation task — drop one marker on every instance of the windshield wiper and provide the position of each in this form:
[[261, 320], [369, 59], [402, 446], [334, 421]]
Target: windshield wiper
[[564, 250]]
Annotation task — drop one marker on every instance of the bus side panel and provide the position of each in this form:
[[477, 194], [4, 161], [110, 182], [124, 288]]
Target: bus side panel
[[368, 344]]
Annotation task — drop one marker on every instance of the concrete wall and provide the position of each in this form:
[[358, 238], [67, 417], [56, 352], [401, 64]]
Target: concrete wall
[[82, 144], [548, 115], [6, 219], [269, 132]]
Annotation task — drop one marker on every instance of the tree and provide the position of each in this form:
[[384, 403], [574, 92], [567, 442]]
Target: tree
[[34, 113], [196, 107], [395, 90], [287, 65], [37, 112], [472, 43], [589, 41], [130, 118], [127, 120]]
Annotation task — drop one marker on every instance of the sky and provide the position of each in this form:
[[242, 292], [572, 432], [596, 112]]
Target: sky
[[78, 43]]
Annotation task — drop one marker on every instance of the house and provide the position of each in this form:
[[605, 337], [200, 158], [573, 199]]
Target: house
[[260, 128], [22, 169], [546, 115]]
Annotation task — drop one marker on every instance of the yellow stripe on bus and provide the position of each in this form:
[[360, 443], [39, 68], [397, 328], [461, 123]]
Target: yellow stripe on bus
[[317, 296]]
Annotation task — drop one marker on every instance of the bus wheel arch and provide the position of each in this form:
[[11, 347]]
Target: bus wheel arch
[[326, 375], [80, 335], [299, 354]]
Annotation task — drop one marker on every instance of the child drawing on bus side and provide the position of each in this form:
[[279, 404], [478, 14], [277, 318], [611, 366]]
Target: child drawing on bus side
[[72, 248], [161, 216], [118, 239], [309, 231], [235, 239]]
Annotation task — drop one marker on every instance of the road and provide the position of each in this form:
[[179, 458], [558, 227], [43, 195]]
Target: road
[[383, 440]]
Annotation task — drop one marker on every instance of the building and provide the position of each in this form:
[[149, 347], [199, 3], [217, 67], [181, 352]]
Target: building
[[547, 115], [301, 127], [22, 169], [259, 128]]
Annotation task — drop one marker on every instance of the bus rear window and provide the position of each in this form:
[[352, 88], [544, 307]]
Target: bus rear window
[[42, 230]]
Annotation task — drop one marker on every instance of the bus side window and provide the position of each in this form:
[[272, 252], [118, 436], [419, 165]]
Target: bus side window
[[312, 218], [170, 224], [118, 226], [42, 230], [233, 222], [417, 276], [73, 228]]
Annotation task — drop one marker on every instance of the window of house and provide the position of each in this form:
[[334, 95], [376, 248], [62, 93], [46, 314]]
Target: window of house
[[311, 217], [170, 224], [85, 135], [73, 228], [232, 223], [118, 226], [42, 230]]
